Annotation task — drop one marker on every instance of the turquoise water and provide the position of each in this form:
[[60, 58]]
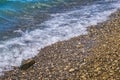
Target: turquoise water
[[11, 11], [26, 26], [16, 14]]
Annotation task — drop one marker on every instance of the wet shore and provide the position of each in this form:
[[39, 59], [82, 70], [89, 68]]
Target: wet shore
[[95, 56]]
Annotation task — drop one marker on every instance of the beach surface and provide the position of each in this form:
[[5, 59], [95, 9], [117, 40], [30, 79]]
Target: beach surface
[[95, 56]]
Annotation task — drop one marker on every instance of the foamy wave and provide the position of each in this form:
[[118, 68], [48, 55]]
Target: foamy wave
[[62, 26]]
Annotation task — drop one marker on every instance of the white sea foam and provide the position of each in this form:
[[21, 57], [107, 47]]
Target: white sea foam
[[62, 26]]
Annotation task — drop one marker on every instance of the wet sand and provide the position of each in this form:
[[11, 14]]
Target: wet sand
[[95, 56]]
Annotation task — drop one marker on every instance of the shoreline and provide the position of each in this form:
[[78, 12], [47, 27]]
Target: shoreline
[[91, 56]]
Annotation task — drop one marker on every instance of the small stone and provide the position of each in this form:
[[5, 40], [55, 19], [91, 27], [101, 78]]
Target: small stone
[[71, 70], [23, 73], [79, 46], [66, 67], [83, 77], [27, 64]]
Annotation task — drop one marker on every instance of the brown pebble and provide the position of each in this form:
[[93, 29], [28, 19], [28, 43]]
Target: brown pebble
[[72, 70], [27, 64]]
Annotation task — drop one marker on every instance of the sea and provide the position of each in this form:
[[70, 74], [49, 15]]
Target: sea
[[26, 26]]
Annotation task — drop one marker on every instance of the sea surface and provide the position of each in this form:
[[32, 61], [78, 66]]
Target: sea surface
[[26, 26]]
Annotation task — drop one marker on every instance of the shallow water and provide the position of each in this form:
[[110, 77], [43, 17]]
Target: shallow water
[[29, 25]]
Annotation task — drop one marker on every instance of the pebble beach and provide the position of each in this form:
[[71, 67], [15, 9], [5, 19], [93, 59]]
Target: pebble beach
[[95, 56]]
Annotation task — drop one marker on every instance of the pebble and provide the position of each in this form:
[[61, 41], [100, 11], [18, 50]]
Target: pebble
[[27, 64], [72, 70]]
